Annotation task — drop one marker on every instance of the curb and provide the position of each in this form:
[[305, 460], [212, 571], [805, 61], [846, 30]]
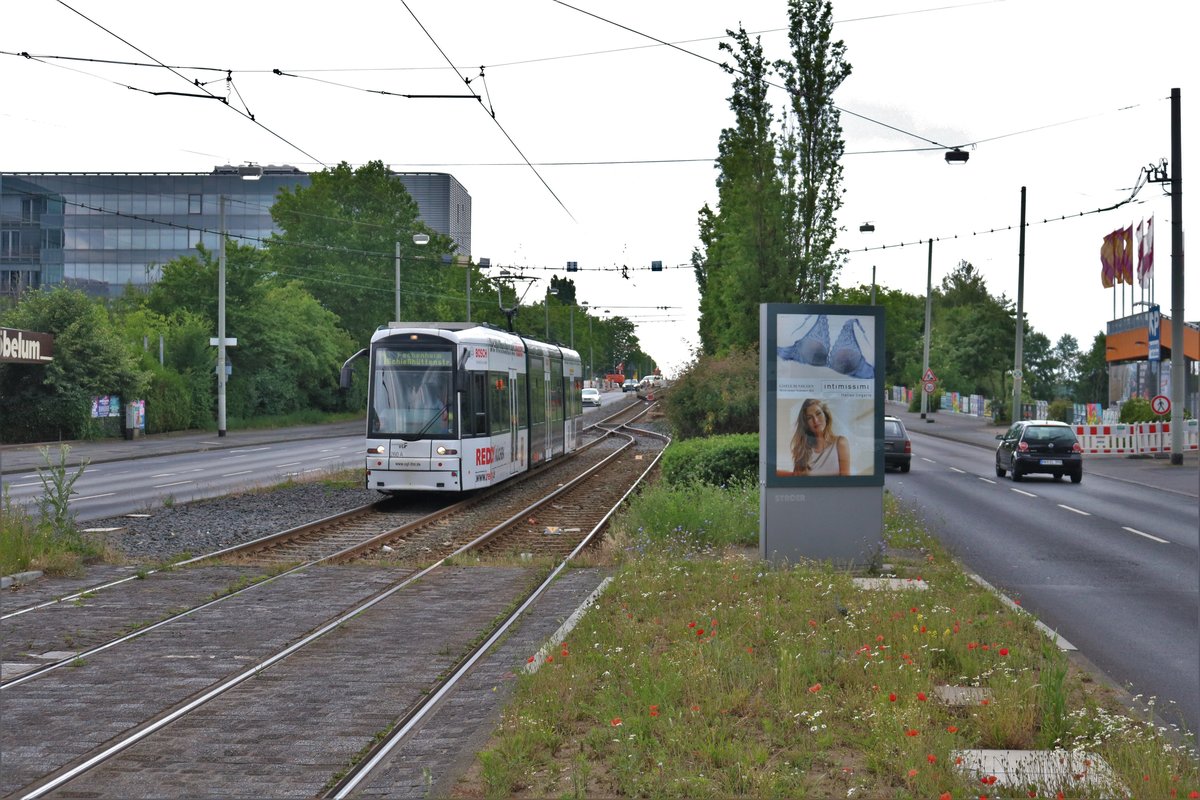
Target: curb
[[19, 578]]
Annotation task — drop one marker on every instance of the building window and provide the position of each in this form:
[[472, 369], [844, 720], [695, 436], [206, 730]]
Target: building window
[[195, 204]]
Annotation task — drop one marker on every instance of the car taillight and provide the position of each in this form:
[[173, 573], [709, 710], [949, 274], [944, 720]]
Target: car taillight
[[1076, 448], [907, 446], [1023, 447]]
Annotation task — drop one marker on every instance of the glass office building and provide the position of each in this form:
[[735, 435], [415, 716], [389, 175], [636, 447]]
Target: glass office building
[[101, 232]]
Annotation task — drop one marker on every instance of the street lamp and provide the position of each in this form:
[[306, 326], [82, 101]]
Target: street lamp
[[591, 349], [869, 227], [549, 292], [418, 239]]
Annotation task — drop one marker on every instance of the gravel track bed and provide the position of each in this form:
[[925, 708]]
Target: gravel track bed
[[208, 525]]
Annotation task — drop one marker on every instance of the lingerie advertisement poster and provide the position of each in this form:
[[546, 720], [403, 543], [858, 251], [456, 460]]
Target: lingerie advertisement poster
[[821, 431], [824, 395]]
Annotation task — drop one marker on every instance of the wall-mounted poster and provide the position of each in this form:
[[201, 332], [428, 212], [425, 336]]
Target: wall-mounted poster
[[824, 395]]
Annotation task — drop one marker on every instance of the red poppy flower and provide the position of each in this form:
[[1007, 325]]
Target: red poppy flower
[[1193, 794], [1003, 651], [530, 661], [923, 629], [988, 780], [816, 687], [691, 624], [699, 631], [931, 758], [912, 773], [892, 696], [912, 732], [616, 721], [695, 708], [921, 696], [549, 659], [945, 796], [951, 729], [985, 702]]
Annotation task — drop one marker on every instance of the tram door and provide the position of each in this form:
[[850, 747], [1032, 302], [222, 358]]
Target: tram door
[[516, 447]]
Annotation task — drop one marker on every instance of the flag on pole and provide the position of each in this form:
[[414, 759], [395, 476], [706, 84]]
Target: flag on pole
[[1108, 260], [1125, 274], [1145, 253]]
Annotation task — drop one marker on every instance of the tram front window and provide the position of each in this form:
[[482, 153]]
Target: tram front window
[[412, 402]]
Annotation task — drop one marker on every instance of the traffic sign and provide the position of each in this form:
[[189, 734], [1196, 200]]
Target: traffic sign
[[928, 387], [1161, 405], [928, 377]]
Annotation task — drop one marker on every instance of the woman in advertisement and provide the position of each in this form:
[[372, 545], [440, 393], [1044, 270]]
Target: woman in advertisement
[[816, 449]]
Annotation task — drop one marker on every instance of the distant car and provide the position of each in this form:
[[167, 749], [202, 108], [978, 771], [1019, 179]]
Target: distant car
[[591, 397], [1039, 445], [897, 447], [629, 386]]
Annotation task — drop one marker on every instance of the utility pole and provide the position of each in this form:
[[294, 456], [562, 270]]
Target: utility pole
[[221, 326], [928, 319], [1178, 371], [1018, 355]]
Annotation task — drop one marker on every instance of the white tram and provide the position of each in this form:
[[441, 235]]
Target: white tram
[[459, 406]]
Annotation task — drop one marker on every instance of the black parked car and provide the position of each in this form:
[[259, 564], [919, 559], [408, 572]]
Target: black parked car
[[897, 447], [1039, 445]]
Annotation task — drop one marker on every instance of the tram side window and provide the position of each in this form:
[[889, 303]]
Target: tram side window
[[498, 403], [475, 405], [556, 390]]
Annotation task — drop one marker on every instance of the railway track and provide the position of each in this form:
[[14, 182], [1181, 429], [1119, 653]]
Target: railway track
[[212, 657]]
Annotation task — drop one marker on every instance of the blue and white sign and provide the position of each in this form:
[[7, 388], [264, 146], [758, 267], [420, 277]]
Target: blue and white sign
[[1154, 327]]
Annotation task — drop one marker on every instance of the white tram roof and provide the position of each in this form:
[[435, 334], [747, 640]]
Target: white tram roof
[[465, 331]]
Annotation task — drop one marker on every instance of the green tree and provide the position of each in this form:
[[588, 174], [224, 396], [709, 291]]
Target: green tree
[[53, 401], [816, 70], [1091, 385], [1066, 352], [339, 239], [1041, 366]]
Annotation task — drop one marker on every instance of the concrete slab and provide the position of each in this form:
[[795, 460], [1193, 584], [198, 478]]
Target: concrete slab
[[961, 695], [891, 584], [1048, 770]]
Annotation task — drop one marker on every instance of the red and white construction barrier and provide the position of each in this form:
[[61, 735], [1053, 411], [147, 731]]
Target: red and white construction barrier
[[1135, 438]]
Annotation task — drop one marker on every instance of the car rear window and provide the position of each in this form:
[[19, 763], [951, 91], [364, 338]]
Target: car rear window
[[892, 428], [1040, 433]]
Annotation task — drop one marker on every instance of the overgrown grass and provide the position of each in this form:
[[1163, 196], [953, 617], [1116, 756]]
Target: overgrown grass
[[28, 544], [307, 417], [702, 672]]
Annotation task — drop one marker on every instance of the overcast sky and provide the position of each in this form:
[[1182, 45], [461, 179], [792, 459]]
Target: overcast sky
[[1067, 98]]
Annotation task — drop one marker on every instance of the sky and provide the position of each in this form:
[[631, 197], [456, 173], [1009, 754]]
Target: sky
[[593, 139]]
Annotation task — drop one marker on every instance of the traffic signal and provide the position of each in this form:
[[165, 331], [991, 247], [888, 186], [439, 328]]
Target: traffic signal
[[572, 266], [656, 266]]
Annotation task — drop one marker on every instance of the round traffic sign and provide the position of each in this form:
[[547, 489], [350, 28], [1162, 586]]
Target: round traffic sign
[[928, 387], [1161, 404]]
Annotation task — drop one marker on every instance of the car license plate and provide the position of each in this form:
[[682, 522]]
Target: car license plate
[[1051, 462]]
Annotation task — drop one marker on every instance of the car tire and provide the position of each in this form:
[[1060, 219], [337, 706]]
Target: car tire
[[1076, 477], [1016, 472], [1000, 470], [905, 467]]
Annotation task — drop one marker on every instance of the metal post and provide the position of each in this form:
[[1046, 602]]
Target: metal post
[[397, 280], [221, 325], [572, 326], [928, 317], [468, 291], [1178, 365], [872, 284], [1018, 354]]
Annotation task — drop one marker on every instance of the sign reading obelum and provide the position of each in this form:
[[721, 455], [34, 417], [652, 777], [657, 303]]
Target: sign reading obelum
[[25, 347]]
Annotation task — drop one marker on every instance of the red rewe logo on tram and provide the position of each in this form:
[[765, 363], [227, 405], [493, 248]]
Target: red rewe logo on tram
[[485, 455]]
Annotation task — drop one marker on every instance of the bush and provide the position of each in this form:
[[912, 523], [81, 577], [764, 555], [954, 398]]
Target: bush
[[935, 402], [1063, 410], [714, 396], [714, 460], [1137, 409]]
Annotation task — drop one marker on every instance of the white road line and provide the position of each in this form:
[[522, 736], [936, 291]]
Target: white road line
[[1019, 491], [164, 475], [289, 464], [249, 450], [930, 460], [91, 497], [988, 480], [231, 474], [959, 471], [23, 485], [165, 485], [329, 458], [1148, 536], [1076, 510]]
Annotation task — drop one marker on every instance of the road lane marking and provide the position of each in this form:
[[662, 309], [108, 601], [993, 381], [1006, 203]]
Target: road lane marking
[[164, 475], [289, 464], [1148, 536], [91, 497], [987, 480], [1076, 510], [231, 474], [249, 450], [959, 471], [165, 485], [1019, 491], [930, 460], [23, 485]]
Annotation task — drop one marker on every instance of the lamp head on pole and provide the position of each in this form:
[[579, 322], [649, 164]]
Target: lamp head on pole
[[957, 156], [421, 238], [867, 227]]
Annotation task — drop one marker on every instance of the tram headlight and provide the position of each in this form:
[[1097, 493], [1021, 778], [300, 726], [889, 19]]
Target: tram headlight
[[378, 450], [446, 451]]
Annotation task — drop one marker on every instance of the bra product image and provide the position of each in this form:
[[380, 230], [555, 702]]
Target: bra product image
[[852, 352]]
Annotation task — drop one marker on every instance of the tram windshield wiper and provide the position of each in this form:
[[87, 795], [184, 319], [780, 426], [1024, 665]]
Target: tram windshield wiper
[[437, 416]]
